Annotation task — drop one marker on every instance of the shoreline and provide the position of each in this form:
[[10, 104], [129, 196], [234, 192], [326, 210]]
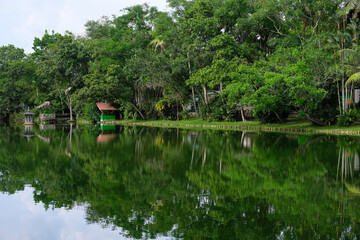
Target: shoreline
[[293, 127]]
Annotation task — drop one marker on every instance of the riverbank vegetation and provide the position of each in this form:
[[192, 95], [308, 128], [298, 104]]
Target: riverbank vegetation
[[290, 125], [218, 58]]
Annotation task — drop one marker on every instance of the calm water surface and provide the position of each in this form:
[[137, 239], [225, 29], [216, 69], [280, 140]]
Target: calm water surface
[[62, 182]]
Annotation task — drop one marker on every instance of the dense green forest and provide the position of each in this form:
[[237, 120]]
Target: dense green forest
[[273, 56]]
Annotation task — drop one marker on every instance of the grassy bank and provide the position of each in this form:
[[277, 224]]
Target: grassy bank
[[292, 125]]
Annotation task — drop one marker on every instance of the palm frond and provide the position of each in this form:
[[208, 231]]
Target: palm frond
[[355, 56], [352, 4], [156, 43], [353, 79]]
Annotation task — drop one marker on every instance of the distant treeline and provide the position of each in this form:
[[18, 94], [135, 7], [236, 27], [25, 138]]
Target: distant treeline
[[216, 58]]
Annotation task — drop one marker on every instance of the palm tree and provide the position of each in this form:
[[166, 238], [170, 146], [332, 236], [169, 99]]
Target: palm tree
[[352, 5], [352, 8], [158, 42]]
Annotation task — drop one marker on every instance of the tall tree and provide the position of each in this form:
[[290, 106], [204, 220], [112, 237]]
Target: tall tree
[[17, 78], [62, 66]]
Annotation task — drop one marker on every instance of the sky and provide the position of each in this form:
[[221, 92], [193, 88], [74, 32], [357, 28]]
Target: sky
[[23, 20]]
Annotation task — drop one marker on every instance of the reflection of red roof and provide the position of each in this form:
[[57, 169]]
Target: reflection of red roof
[[103, 138], [105, 106]]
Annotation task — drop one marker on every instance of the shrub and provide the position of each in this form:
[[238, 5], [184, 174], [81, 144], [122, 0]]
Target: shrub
[[16, 120], [168, 109], [213, 111], [185, 114], [218, 109], [270, 116], [348, 119], [90, 112]]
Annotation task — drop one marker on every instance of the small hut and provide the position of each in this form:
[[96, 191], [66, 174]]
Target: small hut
[[107, 111], [48, 112]]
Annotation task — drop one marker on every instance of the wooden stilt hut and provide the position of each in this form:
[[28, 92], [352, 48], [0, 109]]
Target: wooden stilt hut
[[107, 111], [47, 112]]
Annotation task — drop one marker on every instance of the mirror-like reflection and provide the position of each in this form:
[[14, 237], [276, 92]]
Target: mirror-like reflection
[[157, 182]]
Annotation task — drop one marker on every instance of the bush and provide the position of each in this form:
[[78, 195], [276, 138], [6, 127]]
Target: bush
[[127, 111], [16, 120], [184, 114], [213, 111], [168, 109], [270, 116], [348, 119], [90, 112], [219, 110], [325, 111]]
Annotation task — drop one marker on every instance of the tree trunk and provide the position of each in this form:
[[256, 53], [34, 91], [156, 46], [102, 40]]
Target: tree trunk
[[71, 112], [194, 102], [339, 98], [177, 110], [68, 102], [192, 88], [277, 115], [314, 120], [205, 95], [346, 99], [343, 94], [242, 114], [70, 108], [353, 95], [61, 101], [142, 116]]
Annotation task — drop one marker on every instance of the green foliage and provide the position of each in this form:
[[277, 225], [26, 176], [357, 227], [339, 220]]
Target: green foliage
[[348, 119], [353, 78], [255, 54], [49, 110], [167, 109], [16, 120], [219, 110], [91, 112], [17, 74], [214, 111]]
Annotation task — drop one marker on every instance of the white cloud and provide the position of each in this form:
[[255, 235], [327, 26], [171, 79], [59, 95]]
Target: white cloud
[[23, 20]]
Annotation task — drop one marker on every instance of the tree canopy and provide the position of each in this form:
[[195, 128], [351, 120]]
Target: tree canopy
[[218, 57]]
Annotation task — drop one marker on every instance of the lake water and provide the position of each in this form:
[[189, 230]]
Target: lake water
[[62, 182]]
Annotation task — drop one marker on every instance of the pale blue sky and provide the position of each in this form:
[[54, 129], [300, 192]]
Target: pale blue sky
[[23, 20]]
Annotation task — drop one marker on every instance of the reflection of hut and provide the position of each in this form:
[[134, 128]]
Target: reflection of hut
[[29, 117], [107, 127], [45, 139], [104, 138], [107, 111], [48, 112], [47, 126]]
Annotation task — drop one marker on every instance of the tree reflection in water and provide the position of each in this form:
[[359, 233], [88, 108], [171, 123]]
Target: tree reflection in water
[[153, 182]]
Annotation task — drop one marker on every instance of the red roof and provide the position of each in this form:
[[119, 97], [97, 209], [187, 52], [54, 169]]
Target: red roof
[[105, 106]]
